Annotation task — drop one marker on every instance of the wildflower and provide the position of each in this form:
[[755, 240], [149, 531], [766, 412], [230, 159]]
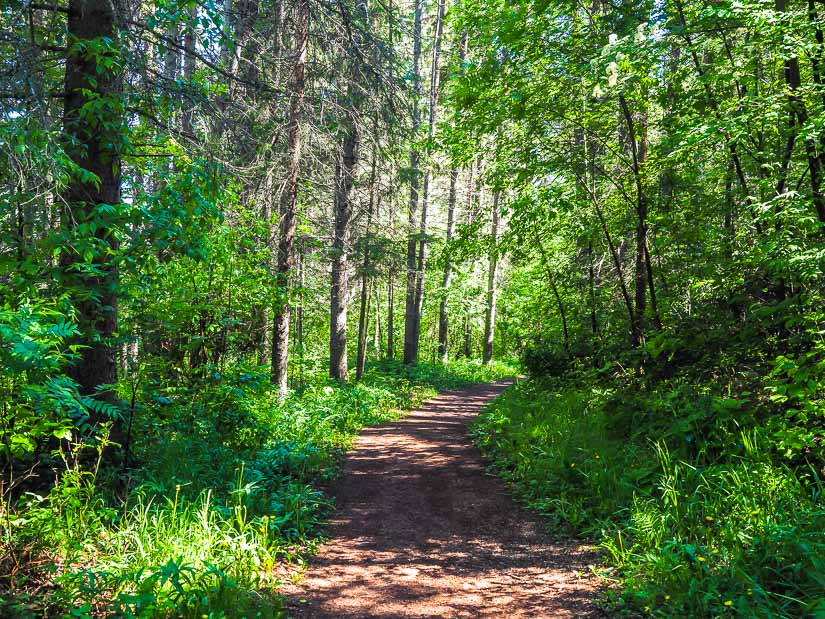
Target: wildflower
[[667, 597], [701, 559], [728, 603], [709, 518], [573, 465]]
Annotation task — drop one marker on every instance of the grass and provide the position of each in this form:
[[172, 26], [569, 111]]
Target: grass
[[228, 488], [687, 530]]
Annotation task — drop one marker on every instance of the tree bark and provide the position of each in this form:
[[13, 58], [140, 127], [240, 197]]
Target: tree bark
[[363, 313], [490, 314], [422, 243], [638, 149], [447, 278], [410, 332], [289, 202], [92, 144], [345, 173]]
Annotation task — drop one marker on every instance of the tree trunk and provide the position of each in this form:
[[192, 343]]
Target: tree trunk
[[559, 303], [376, 339], [344, 174], [410, 332], [468, 336], [289, 202], [422, 246], [92, 144], [443, 310], [390, 315], [361, 357], [638, 149], [490, 315], [591, 283]]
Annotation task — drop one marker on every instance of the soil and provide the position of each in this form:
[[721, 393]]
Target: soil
[[422, 530]]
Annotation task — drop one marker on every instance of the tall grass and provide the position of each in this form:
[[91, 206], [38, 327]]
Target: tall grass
[[683, 534]]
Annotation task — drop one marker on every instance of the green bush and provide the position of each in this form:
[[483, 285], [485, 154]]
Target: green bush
[[688, 529]]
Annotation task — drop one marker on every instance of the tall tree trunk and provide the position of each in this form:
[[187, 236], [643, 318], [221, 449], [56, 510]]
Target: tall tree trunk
[[447, 278], [638, 149], [92, 144], [345, 170], [433, 104], [390, 315], [376, 339], [365, 266], [591, 284], [490, 315], [390, 352], [289, 202], [410, 341], [468, 336], [345, 173]]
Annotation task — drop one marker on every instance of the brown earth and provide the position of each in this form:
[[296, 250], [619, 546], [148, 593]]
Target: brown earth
[[421, 530]]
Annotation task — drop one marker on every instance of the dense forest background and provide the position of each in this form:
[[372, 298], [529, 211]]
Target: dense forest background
[[233, 233]]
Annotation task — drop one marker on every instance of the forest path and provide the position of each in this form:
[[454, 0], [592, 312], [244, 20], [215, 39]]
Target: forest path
[[422, 531]]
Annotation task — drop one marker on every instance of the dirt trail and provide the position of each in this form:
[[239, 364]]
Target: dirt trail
[[422, 531]]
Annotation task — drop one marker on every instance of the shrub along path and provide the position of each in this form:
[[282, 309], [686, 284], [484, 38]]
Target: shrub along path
[[422, 531]]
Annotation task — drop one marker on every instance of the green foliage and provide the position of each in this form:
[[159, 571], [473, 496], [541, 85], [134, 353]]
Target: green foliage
[[37, 401], [211, 537], [697, 516]]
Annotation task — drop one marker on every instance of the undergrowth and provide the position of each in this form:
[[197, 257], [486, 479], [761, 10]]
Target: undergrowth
[[699, 514], [223, 489]]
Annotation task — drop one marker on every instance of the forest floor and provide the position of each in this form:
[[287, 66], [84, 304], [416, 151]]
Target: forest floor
[[421, 530]]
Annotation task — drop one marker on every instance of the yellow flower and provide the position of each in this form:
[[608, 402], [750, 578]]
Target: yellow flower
[[702, 559], [573, 465], [709, 518], [667, 597], [728, 603]]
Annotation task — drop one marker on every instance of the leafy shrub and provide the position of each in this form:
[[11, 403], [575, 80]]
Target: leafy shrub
[[696, 519]]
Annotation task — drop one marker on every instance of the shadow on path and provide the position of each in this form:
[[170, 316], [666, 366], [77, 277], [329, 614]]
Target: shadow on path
[[422, 531]]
